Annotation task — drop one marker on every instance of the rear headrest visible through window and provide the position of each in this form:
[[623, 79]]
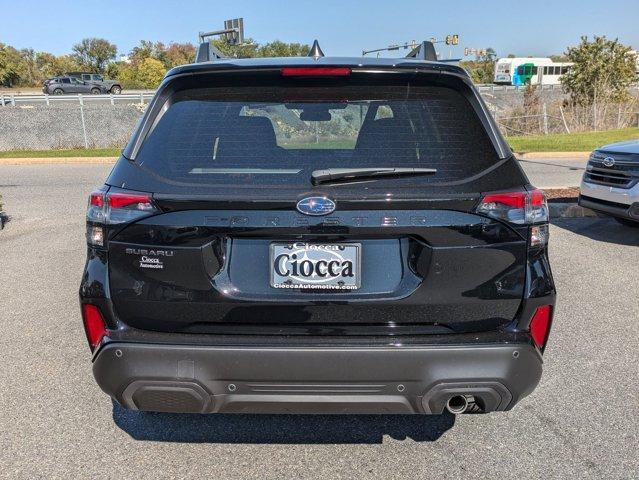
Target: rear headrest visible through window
[[243, 137]]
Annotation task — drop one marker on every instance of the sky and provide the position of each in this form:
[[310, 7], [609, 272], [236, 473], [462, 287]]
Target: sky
[[343, 28]]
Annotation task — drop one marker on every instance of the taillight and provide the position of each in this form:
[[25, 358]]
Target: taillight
[[315, 71], [94, 325], [540, 325], [114, 208], [520, 208]]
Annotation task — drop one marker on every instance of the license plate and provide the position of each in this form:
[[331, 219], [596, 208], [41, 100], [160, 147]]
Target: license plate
[[315, 266]]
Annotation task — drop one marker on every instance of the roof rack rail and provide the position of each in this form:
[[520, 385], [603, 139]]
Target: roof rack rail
[[207, 52], [233, 32], [424, 51]]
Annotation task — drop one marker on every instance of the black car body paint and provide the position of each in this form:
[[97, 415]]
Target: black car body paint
[[447, 300]]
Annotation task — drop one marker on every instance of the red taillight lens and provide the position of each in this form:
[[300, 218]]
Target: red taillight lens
[[316, 71], [114, 208], [516, 207], [96, 199], [540, 325], [121, 200], [512, 200], [94, 325]]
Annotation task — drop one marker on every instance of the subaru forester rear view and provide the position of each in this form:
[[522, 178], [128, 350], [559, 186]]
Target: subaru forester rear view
[[317, 235]]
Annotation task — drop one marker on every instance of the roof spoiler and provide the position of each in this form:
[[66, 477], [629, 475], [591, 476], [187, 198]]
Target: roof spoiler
[[424, 51]]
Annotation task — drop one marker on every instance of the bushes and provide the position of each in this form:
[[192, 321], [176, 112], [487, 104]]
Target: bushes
[[146, 74]]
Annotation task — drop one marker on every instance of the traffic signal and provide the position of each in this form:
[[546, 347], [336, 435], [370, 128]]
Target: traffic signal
[[452, 40]]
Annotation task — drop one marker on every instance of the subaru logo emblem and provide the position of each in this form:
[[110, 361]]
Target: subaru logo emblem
[[608, 162], [316, 206]]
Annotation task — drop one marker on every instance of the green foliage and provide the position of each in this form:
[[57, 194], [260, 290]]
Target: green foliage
[[76, 152], [482, 69], [10, 66], [573, 142], [94, 53], [251, 49], [49, 65], [171, 56], [602, 72], [150, 72], [147, 65]]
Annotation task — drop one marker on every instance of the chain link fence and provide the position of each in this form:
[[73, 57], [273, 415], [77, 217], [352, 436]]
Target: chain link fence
[[67, 126], [536, 111], [42, 122]]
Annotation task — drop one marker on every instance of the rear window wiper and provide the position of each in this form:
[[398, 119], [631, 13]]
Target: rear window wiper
[[347, 174]]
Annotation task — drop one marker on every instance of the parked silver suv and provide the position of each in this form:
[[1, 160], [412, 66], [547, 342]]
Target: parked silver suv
[[611, 182], [63, 85], [110, 86]]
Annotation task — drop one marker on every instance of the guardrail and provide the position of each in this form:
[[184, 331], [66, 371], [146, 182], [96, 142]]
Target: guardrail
[[513, 88], [16, 100]]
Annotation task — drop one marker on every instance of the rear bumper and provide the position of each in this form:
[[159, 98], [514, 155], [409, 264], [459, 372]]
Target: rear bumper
[[322, 380]]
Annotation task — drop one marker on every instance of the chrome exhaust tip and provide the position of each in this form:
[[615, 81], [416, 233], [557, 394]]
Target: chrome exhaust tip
[[457, 404]]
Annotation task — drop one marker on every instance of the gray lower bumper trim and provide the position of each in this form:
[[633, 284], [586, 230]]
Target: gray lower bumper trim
[[314, 380], [616, 210]]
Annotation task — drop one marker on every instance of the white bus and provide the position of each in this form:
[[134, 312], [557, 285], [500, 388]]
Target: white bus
[[529, 71]]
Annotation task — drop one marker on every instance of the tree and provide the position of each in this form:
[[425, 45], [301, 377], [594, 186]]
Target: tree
[[281, 49], [94, 53], [30, 74], [150, 73], [251, 49], [179, 54], [10, 65], [147, 49], [482, 69], [172, 55], [603, 71]]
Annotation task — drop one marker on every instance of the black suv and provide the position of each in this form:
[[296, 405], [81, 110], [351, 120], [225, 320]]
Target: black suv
[[317, 235]]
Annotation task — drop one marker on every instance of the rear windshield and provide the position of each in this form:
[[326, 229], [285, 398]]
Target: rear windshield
[[274, 136]]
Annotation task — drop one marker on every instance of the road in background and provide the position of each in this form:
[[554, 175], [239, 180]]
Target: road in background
[[554, 172], [56, 423]]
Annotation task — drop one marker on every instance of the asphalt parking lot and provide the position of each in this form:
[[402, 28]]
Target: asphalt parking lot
[[56, 423], [554, 172]]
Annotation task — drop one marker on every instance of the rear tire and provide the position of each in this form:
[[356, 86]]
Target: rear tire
[[95, 91], [58, 91], [627, 222], [116, 89]]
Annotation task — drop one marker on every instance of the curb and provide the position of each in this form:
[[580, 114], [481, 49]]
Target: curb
[[57, 160], [569, 210]]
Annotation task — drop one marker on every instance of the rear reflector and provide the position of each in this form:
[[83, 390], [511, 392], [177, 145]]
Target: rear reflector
[[93, 324], [315, 71], [540, 325]]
